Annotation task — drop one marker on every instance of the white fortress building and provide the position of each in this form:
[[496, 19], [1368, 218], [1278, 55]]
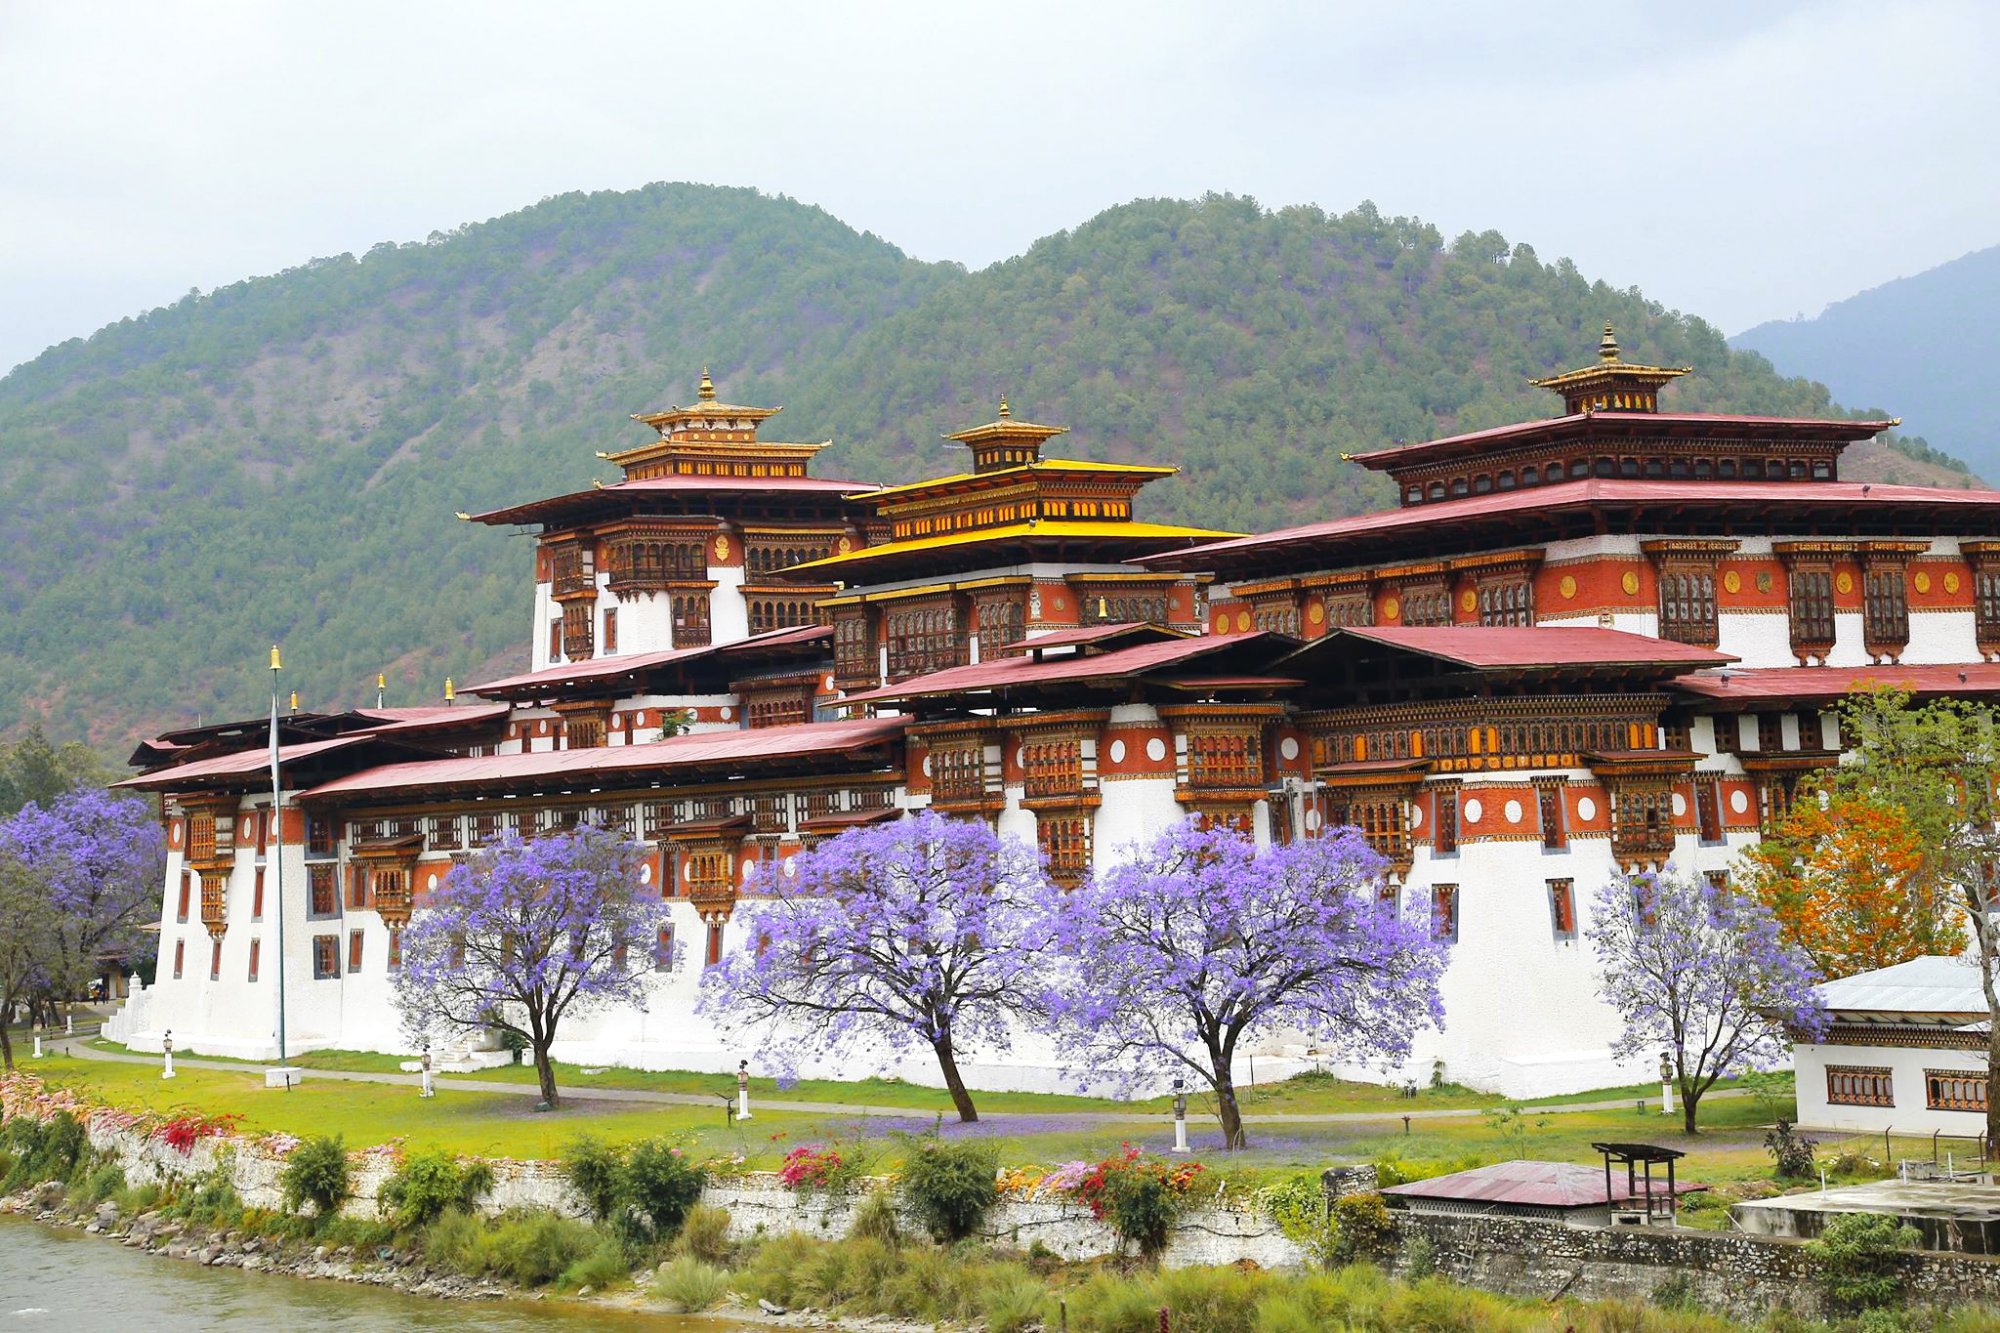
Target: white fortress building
[[1609, 638]]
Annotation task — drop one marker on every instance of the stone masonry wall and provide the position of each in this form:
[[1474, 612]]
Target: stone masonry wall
[[1747, 1276]]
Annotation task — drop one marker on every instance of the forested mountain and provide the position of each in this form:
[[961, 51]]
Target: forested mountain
[[1915, 346], [280, 459]]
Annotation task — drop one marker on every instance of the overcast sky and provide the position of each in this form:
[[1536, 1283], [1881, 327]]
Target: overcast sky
[[1742, 161]]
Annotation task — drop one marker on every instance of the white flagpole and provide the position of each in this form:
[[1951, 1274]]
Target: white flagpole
[[277, 845]]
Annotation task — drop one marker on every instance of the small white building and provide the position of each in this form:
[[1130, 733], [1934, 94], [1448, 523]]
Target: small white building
[[1904, 1051]]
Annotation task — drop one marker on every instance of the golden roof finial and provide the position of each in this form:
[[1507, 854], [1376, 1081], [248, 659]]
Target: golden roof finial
[[707, 390], [1607, 346], [1004, 413]]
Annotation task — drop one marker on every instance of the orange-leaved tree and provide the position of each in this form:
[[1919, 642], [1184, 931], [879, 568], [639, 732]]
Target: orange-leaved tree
[[1844, 875]]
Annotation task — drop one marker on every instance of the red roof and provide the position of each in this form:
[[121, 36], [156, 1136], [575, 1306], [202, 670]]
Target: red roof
[[1826, 683], [1533, 1184], [1132, 629], [608, 668], [438, 718], [535, 510], [1013, 672], [240, 764], [1576, 495], [1625, 422], [1496, 647], [735, 747]]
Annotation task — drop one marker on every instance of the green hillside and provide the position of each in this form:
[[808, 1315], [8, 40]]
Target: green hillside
[[280, 459]]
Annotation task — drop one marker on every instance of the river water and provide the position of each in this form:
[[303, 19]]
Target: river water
[[68, 1282]]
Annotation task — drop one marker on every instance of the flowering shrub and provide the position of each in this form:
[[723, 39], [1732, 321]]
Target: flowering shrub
[[184, 1129], [1141, 1199], [811, 1168], [1022, 1182]]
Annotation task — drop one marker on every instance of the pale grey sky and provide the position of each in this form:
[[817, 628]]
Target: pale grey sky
[[1740, 160]]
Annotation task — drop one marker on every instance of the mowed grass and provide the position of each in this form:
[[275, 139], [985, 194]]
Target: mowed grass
[[1729, 1149]]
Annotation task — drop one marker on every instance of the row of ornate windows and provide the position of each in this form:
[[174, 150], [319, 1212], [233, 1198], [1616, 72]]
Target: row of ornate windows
[[923, 639], [1656, 468], [769, 613]]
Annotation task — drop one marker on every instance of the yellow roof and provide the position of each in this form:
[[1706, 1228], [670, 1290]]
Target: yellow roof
[[1042, 465], [1054, 530]]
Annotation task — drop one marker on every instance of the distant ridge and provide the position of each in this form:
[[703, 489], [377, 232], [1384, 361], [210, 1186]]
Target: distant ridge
[[1924, 347], [280, 459]]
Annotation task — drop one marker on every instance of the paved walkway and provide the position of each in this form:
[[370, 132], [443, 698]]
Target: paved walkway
[[84, 1051]]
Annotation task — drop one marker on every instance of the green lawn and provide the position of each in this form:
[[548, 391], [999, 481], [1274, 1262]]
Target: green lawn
[[1729, 1150]]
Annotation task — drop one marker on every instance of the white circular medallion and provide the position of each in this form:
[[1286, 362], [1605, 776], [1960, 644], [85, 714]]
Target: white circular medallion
[[1680, 805], [1513, 812], [791, 867], [728, 714], [646, 873], [1118, 752], [1738, 801], [1473, 810], [1586, 808], [1156, 749], [927, 764], [431, 883], [1416, 816], [749, 871], [1289, 748], [1312, 821], [1020, 756]]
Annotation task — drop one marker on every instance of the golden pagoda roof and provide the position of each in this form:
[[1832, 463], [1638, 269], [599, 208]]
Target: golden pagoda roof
[[1006, 427], [1610, 367], [704, 408], [1037, 468], [1040, 530]]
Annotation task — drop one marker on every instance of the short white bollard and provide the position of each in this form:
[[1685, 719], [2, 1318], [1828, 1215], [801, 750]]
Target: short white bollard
[[38, 1048], [1180, 1117], [69, 1025], [743, 1090], [430, 1090], [1666, 1084], [167, 1054]]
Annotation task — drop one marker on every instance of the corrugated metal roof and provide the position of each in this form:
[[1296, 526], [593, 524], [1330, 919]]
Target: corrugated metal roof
[[1535, 1184], [711, 747], [1011, 672], [1833, 428], [606, 668], [1802, 683], [531, 510], [1499, 646], [1940, 985], [239, 764]]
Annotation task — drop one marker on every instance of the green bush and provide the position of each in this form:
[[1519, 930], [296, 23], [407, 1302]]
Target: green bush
[[605, 1266], [1362, 1227], [42, 1150], [460, 1242], [592, 1168], [1012, 1303], [1791, 1152], [316, 1173], [1142, 1208], [1108, 1304], [428, 1185], [658, 1183], [705, 1234], [690, 1285], [876, 1219], [950, 1186], [213, 1200], [1210, 1300], [532, 1249], [101, 1182], [772, 1274], [1855, 1259]]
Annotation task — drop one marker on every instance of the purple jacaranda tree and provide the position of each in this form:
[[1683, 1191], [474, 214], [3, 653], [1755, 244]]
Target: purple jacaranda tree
[[885, 939], [1699, 971], [522, 935], [84, 878], [1202, 944]]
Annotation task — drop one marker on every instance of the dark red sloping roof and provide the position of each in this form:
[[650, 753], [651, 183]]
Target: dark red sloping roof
[[1572, 495], [399, 721], [1011, 672], [1627, 423], [1826, 683], [238, 764], [735, 747], [1533, 1184], [1492, 647], [1095, 634]]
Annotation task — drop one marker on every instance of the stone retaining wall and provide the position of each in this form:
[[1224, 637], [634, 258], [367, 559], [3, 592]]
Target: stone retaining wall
[[1746, 1275]]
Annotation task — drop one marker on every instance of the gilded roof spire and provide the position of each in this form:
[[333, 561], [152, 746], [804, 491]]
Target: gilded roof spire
[[1004, 413], [707, 390], [1607, 346]]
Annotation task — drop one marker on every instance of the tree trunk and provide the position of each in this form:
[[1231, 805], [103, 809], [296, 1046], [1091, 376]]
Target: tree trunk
[[6, 1049], [960, 1098], [1233, 1136], [1689, 1101], [545, 1074], [1992, 1087]]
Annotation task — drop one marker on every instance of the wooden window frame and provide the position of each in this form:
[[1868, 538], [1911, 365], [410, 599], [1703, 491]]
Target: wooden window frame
[[356, 950], [610, 629], [1810, 610], [326, 957], [257, 894], [186, 892], [1955, 1090], [711, 954], [1885, 608], [1444, 827], [215, 960], [1445, 910], [1562, 910], [256, 957], [180, 958], [1708, 811], [1552, 813], [1860, 1085]]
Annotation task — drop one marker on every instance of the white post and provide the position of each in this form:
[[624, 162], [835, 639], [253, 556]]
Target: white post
[[38, 1047], [1666, 1084], [167, 1054], [743, 1090], [69, 1025], [429, 1089], [1180, 1117]]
